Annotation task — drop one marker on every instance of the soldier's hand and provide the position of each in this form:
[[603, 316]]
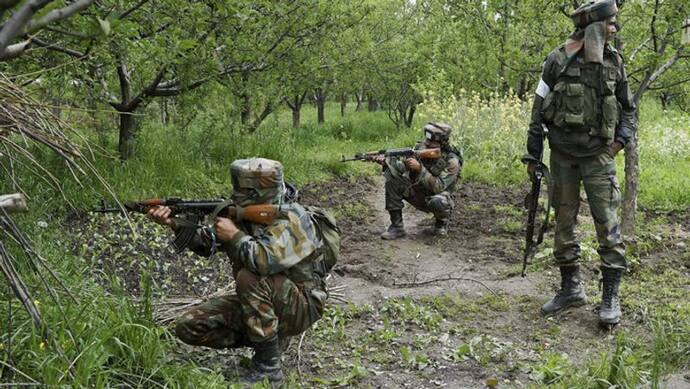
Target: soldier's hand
[[615, 148], [161, 215], [225, 229], [380, 159], [413, 165]]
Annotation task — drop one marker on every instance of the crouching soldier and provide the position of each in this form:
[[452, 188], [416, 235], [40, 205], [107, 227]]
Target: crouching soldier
[[278, 269], [427, 184]]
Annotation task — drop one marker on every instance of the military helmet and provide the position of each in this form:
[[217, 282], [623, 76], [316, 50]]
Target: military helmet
[[257, 181], [593, 11], [439, 132]]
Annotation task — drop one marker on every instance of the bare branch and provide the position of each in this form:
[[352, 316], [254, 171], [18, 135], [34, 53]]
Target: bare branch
[[59, 14], [136, 7], [55, 47], [671, 85], [15, 25], [656, 74], [14, 51], [70, 33]]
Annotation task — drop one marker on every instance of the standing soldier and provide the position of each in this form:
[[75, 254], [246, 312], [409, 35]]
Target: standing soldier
[[278, 270], [426, 184], [584, 102]]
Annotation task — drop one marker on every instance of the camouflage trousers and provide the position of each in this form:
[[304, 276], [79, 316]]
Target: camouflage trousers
[[262, 308], [598, 174], [402, 188]]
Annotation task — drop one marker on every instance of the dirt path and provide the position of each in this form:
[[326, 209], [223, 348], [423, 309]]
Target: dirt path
[[376, 268]]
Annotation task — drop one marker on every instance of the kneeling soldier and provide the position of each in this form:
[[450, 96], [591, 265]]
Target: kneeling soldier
[[426, 184], [280, 289]]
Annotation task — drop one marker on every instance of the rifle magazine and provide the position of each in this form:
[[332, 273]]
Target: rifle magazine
[[183, 237]]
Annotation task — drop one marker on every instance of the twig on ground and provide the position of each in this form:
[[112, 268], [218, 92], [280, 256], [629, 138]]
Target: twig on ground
[[299, 355], [449, 278]]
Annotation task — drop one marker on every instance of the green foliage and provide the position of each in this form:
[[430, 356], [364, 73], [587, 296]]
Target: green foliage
[[552, 368]]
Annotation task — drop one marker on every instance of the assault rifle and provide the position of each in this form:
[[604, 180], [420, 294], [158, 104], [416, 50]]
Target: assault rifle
[[532, 205], [402, 152], [259, 213], [194, 211]]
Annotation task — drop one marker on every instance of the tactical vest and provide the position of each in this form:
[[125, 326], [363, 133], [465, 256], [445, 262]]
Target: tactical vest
[[584, 97]]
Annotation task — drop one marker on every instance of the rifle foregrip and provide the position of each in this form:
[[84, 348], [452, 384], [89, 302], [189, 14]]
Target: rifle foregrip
[[261, 214], [429, 153]]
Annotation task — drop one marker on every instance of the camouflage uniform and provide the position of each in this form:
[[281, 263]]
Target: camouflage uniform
[[430, 189], [586, 104], [278, 291], [278, 271]]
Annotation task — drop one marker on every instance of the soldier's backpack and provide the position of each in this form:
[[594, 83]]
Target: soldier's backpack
[[328, 232]]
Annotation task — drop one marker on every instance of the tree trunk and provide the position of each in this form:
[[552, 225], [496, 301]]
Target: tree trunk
[[372, 104], [125, 108], [295, 117], [343, 104], [246, 109], [359, 97], [296, 106], [246, 101], [165, 114], [410, 115], [632, 160], [259, 119], [126, 142], [320, 98]]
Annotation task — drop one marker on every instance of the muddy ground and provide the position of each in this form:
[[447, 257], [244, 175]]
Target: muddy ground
[[421, 311]]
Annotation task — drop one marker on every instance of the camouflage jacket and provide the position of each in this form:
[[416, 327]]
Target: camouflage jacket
[[290, 246]]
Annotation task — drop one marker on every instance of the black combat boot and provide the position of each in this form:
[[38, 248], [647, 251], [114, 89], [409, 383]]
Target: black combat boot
[[266, 362], [610, 309], [441, 227], [572, 294], [396, 229]]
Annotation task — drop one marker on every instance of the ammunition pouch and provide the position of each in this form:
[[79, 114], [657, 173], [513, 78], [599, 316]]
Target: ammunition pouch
[[584, 100]]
